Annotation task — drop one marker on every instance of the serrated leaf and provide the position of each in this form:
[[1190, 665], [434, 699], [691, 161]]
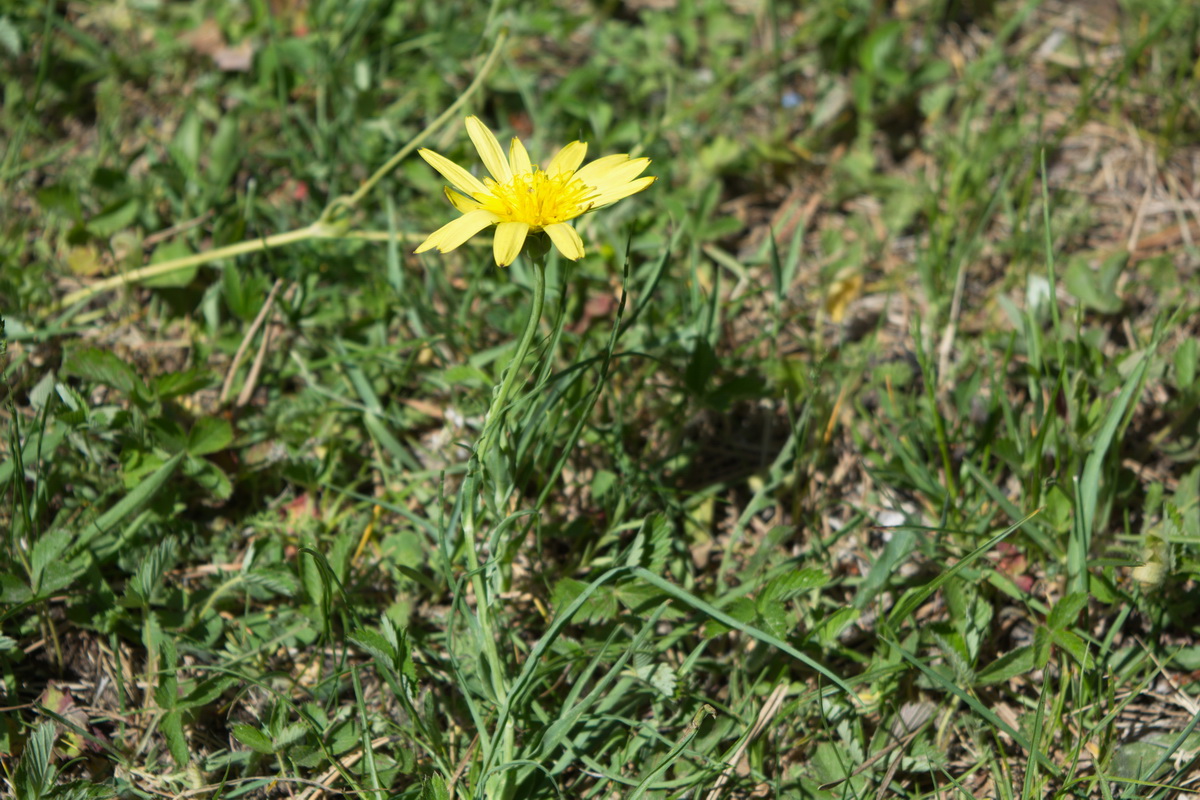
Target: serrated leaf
[[837, 622], [600, 606], [209, 435], [46, 550], [776, 618], [1066, 611], [783, 588], [660, 676], [102, 366], [1073, 644], [177, 384], [273, 580], [1042, 642], [376, 645], [172, 729], [253, 738], [741, 609], [34, 773], [150, 572], [290, 735], [60, 574], [345, 736], [206, 692], [13, 590], [435, 789]]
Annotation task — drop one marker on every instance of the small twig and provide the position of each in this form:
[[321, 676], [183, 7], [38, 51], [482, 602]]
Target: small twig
[[174, 230], [324, 783], [463, 763], [250, 332], [765, 715]]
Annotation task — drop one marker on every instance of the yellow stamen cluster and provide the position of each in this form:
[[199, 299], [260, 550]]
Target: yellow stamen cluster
[[538, 199]]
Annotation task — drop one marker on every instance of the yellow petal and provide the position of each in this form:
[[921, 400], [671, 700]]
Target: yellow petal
[[518, 158], [568, 159], [458, 177], [618, 192], [566, 239], [460, 201], [454, 233], [510, 238], [610, 171], [489, 150]]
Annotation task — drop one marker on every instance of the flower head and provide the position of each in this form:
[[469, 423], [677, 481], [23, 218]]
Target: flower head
[[521, 198]]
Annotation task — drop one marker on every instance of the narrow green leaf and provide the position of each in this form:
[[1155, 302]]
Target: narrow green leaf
[[754, 633], [1009, 665], [913, 598], [140, 496]]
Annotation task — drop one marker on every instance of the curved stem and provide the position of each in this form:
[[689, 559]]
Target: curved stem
[[484, 71], [324, 227]]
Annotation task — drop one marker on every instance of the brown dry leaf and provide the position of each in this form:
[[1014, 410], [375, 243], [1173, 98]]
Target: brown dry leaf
[[237, 58], [206, 38]]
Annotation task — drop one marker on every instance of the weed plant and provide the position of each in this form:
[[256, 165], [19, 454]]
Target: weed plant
[[858, 456]]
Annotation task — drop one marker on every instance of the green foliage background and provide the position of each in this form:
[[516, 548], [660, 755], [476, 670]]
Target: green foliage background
[[889, 381]]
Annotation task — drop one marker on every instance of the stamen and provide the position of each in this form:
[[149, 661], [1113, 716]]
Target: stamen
[[538, 198]]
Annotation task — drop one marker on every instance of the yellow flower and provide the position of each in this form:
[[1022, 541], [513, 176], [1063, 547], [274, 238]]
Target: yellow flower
[[521, 198]]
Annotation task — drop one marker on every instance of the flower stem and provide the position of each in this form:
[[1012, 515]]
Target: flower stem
[[474, 488]]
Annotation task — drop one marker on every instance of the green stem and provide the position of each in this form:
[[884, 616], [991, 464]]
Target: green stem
[[473, 488], [175, 264], [484, 71], [491, 422]]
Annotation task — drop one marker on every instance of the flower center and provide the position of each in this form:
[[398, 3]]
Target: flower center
[[538, 198]]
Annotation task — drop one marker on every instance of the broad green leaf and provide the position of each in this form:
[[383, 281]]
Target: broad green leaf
[[172, 729], [1095, 289], [1066, 611], [1073, 644], [114, 217], [102, 366], [253, 738], [435, 789], [209, 435], [13, 590], [46, 550], [1042, 641], [177, 277]]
